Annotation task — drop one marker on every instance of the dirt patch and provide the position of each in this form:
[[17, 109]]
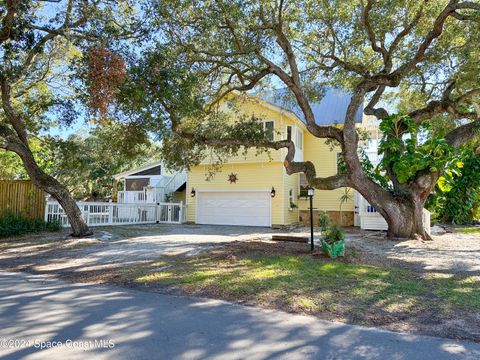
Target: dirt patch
[[450, 253]]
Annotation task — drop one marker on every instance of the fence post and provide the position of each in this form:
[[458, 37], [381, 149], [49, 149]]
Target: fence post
[[110, 213], [46, 212], [180, 215]]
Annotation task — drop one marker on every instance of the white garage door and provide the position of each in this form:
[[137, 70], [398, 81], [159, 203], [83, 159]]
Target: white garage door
[[250, 208]]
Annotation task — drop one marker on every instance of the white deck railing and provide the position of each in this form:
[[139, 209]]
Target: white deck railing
[[125, 197], [106, 214]]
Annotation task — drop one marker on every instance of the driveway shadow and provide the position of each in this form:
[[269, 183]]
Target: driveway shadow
[[155, 326]]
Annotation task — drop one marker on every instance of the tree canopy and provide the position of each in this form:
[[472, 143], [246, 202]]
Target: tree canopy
[[414, 65], [47, 50]]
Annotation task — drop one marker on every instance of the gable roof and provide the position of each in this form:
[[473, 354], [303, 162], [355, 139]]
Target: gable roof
[[134, 171], [330, 110]]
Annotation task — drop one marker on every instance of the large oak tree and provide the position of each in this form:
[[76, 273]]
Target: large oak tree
[[414, 64], [44, 46]]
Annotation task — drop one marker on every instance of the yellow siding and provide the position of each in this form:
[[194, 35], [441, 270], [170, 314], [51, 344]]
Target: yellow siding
[[262, 171], [250, 177], [179, 196], [325, 162], [246, 107], [290, 182]]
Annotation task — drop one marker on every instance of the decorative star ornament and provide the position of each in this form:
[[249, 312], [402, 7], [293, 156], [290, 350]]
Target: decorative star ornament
[[232, 178]]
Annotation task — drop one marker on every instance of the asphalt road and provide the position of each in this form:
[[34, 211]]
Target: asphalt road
[[45, 318]]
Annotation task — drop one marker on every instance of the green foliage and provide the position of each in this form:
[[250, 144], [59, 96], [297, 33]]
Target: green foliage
[[12, 224], [334, 234], [86, 165], [410, 148], [457, 196], [346, 196], [323, 221]]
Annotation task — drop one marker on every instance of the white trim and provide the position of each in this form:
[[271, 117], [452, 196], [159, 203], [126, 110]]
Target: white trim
[[298, 132], [145, 167], [143, 177], [273, 107], [197, 192]]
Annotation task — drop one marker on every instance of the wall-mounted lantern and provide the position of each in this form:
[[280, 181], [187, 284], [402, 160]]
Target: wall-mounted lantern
[[273, 192], [193, 192]]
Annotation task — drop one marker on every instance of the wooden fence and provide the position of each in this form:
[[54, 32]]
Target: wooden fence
[[22, 197]]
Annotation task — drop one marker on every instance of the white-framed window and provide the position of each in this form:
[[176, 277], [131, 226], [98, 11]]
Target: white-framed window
[[303, 186], [289, 132], [269, 128], [299, 139], [291, 197]]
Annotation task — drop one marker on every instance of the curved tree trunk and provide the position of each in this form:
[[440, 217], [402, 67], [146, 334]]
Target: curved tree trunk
[[406, 221], [404, 216], [53, 187]]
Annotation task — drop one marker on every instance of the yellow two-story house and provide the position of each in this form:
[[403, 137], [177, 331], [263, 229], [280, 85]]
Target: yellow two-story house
[[254, 189]]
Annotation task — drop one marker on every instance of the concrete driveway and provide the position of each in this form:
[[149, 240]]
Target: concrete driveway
[[79, 321], [120, 246]]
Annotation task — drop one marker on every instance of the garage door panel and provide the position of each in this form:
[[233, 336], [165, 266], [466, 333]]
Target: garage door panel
[[234, 208]]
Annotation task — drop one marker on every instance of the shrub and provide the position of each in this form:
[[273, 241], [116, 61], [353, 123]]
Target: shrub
[[333, 244], [12, 224], [323, 221], [334, 234]]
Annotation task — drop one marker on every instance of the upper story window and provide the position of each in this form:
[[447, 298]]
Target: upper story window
[[136, 184], [269, 128], [289, 133], [299, 139]]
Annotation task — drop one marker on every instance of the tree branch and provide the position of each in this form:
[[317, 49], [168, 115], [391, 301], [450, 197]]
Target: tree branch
[[370, 32], [10, 113], [8, 21], [463, 134]]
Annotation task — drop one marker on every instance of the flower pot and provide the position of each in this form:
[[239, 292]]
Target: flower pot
[[335, 249]]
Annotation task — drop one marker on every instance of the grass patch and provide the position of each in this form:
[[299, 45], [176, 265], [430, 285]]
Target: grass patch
[[468, 230], [306, 284]]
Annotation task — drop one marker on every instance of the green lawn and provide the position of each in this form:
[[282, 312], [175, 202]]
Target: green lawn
[[469, 230], [306, 284]]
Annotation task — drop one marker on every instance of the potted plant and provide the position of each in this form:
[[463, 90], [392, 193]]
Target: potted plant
[[292, 206], [333, 242]]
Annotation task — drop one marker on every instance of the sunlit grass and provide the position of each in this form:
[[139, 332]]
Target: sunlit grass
[[469, 230], [309, 285], [300, 282]]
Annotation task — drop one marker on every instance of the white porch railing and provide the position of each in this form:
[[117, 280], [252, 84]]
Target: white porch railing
[[125, 197], [107, 214]]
